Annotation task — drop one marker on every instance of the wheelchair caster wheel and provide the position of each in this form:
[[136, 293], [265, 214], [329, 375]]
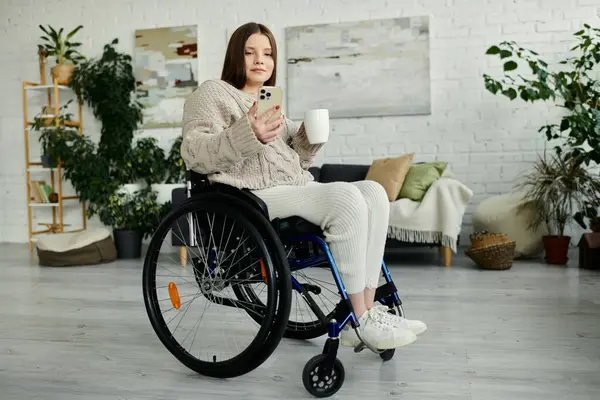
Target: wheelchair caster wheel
[[318, 381], [387, 355]]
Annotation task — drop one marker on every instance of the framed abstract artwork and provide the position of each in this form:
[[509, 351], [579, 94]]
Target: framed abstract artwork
[[359, 69], [165, 69]]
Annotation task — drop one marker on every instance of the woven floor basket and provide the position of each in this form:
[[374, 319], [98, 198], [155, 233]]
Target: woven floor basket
[[498, 256]]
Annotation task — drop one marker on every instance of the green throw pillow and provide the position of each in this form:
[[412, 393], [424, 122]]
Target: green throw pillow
[[419, 178]]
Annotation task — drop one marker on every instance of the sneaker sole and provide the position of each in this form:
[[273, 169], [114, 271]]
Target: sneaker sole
[[349, 342], [396, 343], [418, 331], [383, 344]]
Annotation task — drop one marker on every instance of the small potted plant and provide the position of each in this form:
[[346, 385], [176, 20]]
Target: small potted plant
[[65, 51], [133, 217], [558, 187], [51, 127]]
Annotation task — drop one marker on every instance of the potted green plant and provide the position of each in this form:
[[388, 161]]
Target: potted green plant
[[133, 217], [574, 85], [100, 171], [51, 127], [54, 144], [65, 51], [557, 187]]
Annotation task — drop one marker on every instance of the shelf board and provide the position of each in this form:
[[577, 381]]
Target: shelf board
[[40, 169], [39, 164], [43, 204], [47, 232], [64, 198], [69, 124], [37, 86]]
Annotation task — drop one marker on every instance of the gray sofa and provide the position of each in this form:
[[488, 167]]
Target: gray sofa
[[325, 173]]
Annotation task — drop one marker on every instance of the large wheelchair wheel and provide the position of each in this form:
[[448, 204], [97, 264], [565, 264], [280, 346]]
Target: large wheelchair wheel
[[236, 248], [310, 312]]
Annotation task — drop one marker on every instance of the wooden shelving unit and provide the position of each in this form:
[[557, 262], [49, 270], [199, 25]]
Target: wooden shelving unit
[[57, 224]]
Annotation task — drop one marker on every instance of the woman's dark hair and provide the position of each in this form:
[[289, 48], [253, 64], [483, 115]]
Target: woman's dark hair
[[234, 66]]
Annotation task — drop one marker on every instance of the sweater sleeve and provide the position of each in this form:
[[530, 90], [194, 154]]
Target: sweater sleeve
[[210, 144], [296, 138]]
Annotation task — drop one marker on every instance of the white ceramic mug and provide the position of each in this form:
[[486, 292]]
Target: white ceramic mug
[[316, 124]]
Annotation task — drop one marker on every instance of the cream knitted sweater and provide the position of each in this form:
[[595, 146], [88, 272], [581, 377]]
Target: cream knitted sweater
[[218, 141]]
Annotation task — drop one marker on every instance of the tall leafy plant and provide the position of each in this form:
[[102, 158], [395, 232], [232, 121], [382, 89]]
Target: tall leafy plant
[[107, 85], [97, 171], [573, 86]]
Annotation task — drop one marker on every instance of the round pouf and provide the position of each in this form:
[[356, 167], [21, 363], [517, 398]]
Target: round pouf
[[92, 246], [501, 214]]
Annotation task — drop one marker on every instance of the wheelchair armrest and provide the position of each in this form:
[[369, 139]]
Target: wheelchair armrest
[[244, 194], [262, 206], [199, 183]]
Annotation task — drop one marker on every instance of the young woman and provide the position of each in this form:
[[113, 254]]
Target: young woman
[[225, 138]]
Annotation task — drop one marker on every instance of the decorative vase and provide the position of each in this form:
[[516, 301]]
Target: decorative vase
[[557, 249], [128, 243], [62, 73], [47, 162]]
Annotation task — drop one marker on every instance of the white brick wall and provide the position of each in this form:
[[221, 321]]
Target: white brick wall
[[487, 139]]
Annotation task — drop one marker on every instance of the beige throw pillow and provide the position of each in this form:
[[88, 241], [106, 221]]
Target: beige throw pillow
[[390, 173]]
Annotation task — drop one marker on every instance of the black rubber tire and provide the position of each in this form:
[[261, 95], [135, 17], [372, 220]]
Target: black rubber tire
[[294, 330], [309, 383], [270, 333]]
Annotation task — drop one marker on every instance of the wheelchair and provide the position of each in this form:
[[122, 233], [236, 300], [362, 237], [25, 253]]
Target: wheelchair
[[283, 251]]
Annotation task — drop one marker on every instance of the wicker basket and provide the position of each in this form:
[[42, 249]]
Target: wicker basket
[[485, 239], [497, 257]]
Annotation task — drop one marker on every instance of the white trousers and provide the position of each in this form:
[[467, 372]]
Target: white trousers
[[354, 217]]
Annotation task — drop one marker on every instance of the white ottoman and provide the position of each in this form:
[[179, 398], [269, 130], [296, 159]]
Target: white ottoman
[[500, 214]]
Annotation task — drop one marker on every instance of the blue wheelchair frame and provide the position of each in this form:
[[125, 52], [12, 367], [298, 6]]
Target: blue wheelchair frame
[[335, 327]]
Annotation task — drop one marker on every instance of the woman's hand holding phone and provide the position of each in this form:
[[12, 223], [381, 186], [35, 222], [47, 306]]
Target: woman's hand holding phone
[[264, 130]]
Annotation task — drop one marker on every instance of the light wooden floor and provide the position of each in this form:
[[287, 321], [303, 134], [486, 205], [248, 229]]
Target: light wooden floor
[[532, 332]]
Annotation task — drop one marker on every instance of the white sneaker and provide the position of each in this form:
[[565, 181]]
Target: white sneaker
[[378, 332], [414, 325]]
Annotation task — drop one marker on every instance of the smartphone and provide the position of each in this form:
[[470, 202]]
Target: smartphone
[[270, 96]]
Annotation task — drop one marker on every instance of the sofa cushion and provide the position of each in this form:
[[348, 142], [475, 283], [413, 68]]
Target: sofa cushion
[[419, 178], [390, 173]]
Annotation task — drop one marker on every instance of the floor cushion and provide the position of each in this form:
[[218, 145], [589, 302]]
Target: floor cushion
[[92, 246], [500, 214]]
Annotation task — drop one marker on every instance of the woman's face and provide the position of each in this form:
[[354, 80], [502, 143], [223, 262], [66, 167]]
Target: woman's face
[[259, 60]]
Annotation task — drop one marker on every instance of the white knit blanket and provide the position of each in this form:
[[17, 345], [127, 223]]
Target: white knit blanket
[[437, 218]]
